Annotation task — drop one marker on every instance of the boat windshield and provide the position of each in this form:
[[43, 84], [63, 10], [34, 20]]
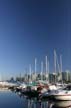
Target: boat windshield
[[67, 88]]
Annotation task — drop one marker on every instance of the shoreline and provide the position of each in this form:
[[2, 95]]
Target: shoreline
[[4, 89]]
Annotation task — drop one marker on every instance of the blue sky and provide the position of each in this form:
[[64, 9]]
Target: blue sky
[[33, 28]]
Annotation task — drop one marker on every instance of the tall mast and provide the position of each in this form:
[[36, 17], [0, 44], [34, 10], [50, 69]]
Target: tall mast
[[46, 68], [55, 63], [58, 65], [30, 71], [27, 75], [35, 66], [41, 70], [48, 71], [61, 66]]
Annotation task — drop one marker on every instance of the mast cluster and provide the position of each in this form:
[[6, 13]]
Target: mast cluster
[[57, 65]]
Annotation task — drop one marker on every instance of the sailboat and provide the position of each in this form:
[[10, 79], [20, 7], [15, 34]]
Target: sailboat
[[52, 88]]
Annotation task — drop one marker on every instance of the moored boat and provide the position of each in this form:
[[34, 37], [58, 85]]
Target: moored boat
[[64, 94]]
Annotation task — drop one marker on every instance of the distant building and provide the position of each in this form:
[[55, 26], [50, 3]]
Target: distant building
[[52, 77], [33, 76], [66, 76]]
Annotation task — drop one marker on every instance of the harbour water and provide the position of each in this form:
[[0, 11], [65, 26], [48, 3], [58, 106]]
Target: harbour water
[[10, 99]]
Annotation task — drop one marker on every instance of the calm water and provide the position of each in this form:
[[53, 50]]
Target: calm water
[[10, 99]]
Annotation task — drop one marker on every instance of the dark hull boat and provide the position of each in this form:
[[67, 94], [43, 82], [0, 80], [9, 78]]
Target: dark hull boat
[[31, 93]]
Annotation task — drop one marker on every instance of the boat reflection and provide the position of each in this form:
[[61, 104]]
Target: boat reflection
[[62, 104], [34, 103], [56, 104]]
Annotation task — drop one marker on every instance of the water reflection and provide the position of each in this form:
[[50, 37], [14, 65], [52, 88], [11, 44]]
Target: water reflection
[[48, 104], [34, 103], [64, 104]]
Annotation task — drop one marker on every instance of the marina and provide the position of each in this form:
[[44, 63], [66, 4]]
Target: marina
[[38, 92], [35, 53], [34, 95], [10, 99]]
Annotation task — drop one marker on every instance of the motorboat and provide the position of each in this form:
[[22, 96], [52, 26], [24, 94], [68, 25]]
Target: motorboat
[[64, 94], [48, 94], [51, 91]]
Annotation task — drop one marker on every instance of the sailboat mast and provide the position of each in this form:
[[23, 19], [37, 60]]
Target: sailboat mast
[[35, 66], [55, 60], [48, 71], [61, 66], [55, 64], [46, 68], [30, 71], [41, 70]]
